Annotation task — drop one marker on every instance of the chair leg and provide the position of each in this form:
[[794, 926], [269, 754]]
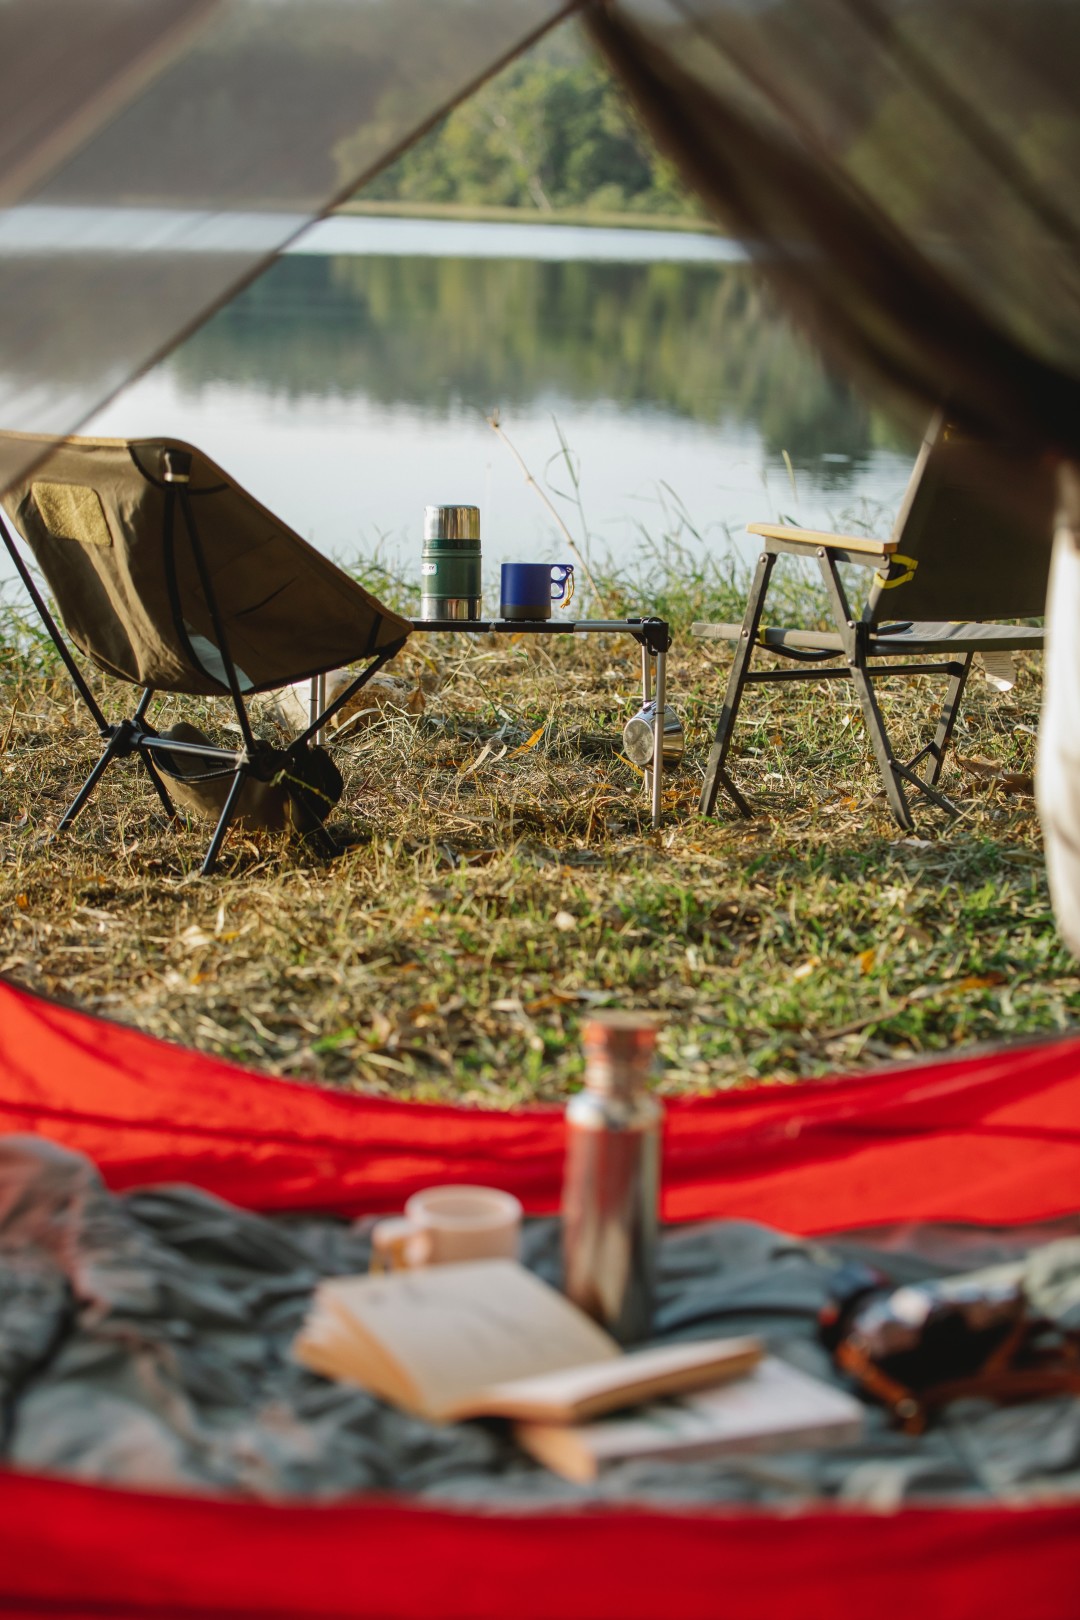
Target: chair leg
[[850, 634], [715, 774], [159, 786], [114, 747], [223, 823], [887, 765], [950, 712]]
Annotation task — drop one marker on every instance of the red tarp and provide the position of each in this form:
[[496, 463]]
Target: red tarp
[[989, 1139]]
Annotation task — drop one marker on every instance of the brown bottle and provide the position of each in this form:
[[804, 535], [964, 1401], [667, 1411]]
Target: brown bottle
[[611, 1189]]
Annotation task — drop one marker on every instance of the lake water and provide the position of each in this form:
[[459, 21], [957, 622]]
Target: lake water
[[351, 385]]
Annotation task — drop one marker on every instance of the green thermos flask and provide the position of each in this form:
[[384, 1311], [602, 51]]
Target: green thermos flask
[[450, 563]]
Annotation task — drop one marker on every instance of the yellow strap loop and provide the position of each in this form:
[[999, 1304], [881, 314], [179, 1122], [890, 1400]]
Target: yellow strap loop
[[908, 564]]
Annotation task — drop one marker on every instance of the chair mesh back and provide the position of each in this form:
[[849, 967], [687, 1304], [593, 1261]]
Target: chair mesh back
[[977, 522], [111, 539]]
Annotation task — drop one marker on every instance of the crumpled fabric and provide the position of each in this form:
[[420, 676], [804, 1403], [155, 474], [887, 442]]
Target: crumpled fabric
[[144, 1340]]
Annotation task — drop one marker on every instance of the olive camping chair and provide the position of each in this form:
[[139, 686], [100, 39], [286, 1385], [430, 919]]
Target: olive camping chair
[[170, 576], [970, 546]]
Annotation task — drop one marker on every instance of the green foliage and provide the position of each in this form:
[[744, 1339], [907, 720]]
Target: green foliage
[[25, 647], [552, 131]]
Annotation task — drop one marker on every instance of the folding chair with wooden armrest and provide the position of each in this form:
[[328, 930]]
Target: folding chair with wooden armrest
[[972, 541]]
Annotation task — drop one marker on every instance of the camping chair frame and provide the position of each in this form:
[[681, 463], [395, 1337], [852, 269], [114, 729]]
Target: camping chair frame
[[255, 760], [861, 643], [969, 548]]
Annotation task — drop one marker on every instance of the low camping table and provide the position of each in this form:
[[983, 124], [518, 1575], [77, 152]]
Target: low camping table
[[652, 635]]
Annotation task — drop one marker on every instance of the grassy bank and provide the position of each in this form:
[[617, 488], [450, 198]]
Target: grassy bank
[[503, 878], [529, 216]]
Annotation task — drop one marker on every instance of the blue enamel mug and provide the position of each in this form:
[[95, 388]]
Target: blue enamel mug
[[528, 589]]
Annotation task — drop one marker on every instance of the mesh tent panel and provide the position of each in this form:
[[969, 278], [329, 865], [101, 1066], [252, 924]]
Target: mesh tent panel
[[905, 172], [160, 152]]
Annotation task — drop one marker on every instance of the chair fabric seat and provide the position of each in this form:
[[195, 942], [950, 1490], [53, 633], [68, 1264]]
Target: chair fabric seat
[[168, 575], [892, 641], [120, 562]]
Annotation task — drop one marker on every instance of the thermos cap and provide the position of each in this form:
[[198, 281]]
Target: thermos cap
[[619, 1048], [460, 523]]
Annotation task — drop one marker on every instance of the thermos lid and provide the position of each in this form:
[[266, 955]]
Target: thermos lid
[[619, 1048], [452, 523]]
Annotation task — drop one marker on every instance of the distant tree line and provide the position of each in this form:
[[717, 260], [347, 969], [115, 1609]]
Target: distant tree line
[[552, 131]]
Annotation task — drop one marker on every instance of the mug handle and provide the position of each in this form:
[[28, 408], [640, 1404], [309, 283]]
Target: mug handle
[[558, 586], [398, 1244]]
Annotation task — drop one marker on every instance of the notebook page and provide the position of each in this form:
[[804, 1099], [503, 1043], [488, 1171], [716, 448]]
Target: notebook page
[[638, 1375], [454, 1330], [775, 1405]]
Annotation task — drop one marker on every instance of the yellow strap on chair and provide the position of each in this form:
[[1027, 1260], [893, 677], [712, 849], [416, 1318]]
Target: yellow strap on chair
[[908, 564]]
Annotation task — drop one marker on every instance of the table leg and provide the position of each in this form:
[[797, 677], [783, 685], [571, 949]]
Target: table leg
[[316, 705], [658, 735], [646, 693]]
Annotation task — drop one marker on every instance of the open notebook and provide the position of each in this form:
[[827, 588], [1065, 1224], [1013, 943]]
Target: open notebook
[[490, 1339]]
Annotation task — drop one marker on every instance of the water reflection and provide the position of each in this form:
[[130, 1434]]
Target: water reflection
[[443, 336], [347, 390]]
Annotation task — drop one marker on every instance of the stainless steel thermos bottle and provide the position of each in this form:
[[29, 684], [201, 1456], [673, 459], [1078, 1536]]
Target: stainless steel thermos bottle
[[450, 563], [612, 1181]]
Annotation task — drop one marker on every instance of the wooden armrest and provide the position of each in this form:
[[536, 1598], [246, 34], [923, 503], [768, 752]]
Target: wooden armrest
[[814, 538]]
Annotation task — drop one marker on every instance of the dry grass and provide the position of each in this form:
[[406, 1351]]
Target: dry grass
[[492, 892]]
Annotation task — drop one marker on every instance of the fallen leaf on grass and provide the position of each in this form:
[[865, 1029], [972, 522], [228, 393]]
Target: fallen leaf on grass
[[555, 998], [532, 742], [487, 752], [382, 1060], [635, 768], [985, 770], [947, 987], [973, 981]]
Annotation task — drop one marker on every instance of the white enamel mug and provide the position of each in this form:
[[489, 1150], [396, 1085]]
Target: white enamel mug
[[442, 1225]]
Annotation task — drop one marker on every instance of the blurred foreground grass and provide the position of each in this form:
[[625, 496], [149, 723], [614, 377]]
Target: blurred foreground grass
[[493, 892]]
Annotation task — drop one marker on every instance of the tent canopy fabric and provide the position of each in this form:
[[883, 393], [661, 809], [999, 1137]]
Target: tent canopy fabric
[[158, 153], [903, 171], [993, 1139], [989, 1140]]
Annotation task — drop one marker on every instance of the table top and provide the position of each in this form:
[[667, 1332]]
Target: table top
[[652, 632]]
